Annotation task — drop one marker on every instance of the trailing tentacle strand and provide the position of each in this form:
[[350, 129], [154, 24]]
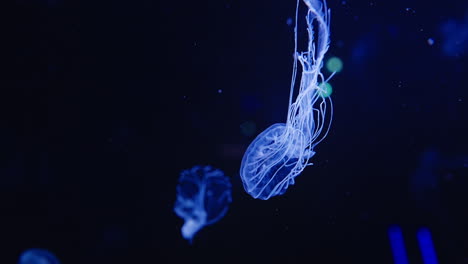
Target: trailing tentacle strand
[[282, 151]]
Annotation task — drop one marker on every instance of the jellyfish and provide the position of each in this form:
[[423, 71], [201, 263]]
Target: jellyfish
[[203, 198], [282, 151], [37, 256]]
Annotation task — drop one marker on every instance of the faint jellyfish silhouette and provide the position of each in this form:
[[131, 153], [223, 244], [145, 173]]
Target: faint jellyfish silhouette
[[455, 37], [425, 182], [203, 197], [37, 256], [282, 151]]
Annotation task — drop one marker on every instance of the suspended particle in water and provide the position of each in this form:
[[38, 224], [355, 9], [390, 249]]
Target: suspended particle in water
[[203, 198], [334, 64], [430, 41], [282, 151], [410, 10], [37, 256]]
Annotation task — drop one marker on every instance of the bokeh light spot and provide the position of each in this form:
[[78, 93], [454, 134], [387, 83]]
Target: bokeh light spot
[[325, 89], [334, 64]]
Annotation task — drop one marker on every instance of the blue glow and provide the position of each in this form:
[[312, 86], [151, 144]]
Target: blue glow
[[37, 256], [203, 198], [282, 151], [430, 41], [397, 244], [426, 246], [455, 37]]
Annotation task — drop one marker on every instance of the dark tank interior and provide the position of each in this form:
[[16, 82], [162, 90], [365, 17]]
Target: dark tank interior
[[106, 102]]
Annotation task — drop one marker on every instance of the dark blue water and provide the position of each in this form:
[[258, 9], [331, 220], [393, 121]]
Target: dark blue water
[[106, 102]]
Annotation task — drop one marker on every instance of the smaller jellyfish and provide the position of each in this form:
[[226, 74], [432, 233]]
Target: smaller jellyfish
[[203, 198], [37, 256]]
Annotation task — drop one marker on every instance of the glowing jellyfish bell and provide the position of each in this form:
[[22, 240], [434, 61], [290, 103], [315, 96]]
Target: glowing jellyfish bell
[[37, 256], [203, 198], [282, 151]]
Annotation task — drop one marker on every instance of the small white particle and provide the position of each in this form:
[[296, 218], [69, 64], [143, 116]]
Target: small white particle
[[430, 41], [289, 21], [220, 91]]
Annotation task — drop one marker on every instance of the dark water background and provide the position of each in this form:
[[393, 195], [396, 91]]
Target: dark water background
[[107, 101]]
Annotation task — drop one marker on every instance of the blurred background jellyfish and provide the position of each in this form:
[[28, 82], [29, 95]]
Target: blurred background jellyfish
[[203, 198], [426, 184], [37, 256], [455, 36], [282, 151]]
